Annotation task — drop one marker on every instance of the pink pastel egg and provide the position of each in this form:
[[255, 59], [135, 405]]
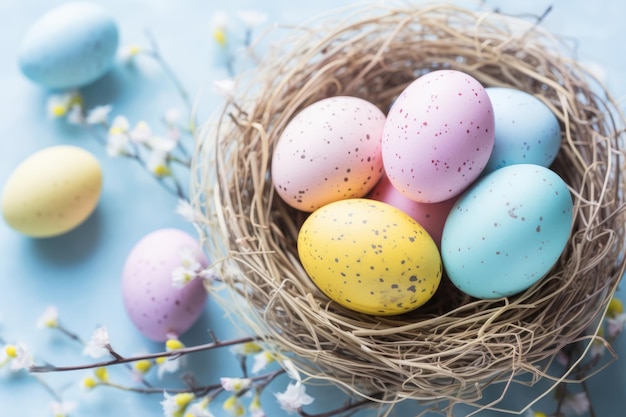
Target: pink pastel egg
[[155, 306], [431, 216], [438, 136], [329, 151]]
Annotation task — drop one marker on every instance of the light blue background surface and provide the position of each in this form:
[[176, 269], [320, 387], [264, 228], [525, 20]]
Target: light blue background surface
[[80, 272]]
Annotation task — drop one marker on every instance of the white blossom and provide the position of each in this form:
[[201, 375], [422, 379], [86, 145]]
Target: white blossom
[[62, 409], [171, 117], [615, 325], [49, 318], [224, 87], [141, 133], [261, 360], [187, 211], [98, 115], [293, 398], [98, 345], [157, 164], [20, 357], [75, 115], [252, 18], [235, 384], [175, 405], [576, 403]]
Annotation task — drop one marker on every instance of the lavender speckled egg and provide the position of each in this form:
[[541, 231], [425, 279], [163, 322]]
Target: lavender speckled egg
[[154, 305], [329, 151], [431, 216], [527, 131], [438, 136], [71, 46], [507, 231]]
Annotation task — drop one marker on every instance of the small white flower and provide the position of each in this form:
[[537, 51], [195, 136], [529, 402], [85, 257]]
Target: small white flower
[[128, 53], [172, 117], [161, 144], [252, 18], [224, 87], [199, 410], [187, 212], [175, 405], [577, 403], [219, 19], [98, 345], [117, 140], [98, 115], [60, 104], [120, 124], [75, 115], [261, 360], [235, 384], [117, 145], [182, 276], [157, 164], [255, 408], [20, 357], [168, 365], [62, 409], [293, 398], [208, 274], [49, 318], [615, 325], [141, 133], [188, 269], [291, 370]]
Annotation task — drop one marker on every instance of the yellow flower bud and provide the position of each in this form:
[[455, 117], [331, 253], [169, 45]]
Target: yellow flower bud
[[11, 351], [183, 399], [143, 366], [174, 344], [89, 383], [615, 307], [219, 34], [102, 374]]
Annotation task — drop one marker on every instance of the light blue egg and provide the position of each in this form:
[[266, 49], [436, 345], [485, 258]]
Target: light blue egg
[[70, 46], [507, 231], [527, 131]]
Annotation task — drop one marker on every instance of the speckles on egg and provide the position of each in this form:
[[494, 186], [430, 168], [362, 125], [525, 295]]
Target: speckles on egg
[[153, 304], [527, 131], [438, 136], [390, 266], [507, 231], [329, 151]]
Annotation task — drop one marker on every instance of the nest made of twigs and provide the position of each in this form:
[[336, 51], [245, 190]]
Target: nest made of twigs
[[455, 346]]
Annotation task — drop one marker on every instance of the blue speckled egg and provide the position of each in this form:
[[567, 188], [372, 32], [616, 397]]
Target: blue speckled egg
[[527, 131], [507, 231], [70, 46]]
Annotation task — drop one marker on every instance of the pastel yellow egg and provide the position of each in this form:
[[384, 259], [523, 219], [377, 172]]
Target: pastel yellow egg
[[369, 257], [52, 191]]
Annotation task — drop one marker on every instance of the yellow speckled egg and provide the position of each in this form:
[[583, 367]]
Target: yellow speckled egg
[[52, 191], [369, 257]]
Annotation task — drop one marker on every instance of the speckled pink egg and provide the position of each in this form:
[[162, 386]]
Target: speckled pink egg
[[156, 307], [431, 216], [329, 151], [438, 136]]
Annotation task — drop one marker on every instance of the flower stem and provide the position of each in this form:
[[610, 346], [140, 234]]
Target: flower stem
[[120, 360]]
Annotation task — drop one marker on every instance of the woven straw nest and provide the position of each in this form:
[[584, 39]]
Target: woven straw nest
[[454, 346]]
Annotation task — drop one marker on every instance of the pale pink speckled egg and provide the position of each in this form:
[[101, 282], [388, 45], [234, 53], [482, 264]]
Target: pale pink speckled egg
[[329, 151], [154, 305], [431, 216], [438, 136]]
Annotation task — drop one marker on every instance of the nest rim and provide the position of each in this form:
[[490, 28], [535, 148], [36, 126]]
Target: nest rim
[[452, 349]]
